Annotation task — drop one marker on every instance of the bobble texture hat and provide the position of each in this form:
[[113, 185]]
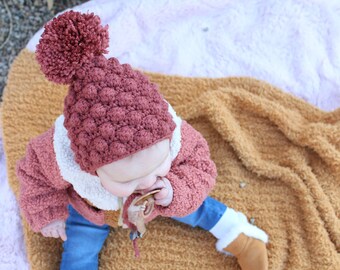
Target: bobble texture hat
[[111, 111]]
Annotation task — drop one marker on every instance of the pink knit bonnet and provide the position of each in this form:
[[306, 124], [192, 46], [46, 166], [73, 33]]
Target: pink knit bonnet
[[111, 111]]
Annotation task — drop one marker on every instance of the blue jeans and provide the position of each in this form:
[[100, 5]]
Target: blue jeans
[[85, 239], [83, 244]]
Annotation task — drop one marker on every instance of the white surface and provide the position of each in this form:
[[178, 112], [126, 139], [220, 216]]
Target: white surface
[[12, 248], [293, 44]]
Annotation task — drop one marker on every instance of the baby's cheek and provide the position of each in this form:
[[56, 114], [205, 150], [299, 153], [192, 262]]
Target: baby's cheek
[[166, 168]]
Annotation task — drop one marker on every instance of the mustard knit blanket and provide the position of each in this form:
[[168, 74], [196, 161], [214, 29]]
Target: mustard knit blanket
[[278, 160]]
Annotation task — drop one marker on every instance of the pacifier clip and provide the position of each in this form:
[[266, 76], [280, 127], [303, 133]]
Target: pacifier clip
[[139, 229]]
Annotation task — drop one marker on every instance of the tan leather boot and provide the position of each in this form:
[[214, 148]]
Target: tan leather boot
[[251, 253]]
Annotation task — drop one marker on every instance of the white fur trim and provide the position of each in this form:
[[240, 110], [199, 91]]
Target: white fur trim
[[231, 225], [86, 185], [175, 146]]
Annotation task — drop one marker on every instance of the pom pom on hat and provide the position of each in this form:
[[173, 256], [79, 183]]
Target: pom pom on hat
[[111, 110], [69, 41]]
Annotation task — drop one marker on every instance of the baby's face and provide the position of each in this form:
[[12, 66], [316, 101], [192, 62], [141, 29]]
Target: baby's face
[[136, 172]]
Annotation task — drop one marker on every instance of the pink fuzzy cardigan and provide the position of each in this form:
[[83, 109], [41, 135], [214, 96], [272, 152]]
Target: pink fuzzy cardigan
[[44, 194]]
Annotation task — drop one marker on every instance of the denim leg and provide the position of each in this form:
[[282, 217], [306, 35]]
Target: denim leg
[[83, 244], [206, 216]]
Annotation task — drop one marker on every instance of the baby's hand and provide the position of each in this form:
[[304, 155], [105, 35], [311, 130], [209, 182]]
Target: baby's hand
[[55, 229], [165, 196]]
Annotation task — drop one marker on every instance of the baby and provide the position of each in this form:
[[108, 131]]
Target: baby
[[117, 140]]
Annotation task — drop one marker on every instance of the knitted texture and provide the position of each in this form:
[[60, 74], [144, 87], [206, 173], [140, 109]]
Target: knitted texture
[[111, 111], [69, 42], [44, 193], [285, 151]]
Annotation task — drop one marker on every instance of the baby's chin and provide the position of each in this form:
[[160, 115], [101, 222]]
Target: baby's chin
[[138, 191]]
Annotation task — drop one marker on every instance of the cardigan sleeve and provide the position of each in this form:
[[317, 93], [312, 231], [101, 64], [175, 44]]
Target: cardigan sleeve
[[43, 193], [192, 176]]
